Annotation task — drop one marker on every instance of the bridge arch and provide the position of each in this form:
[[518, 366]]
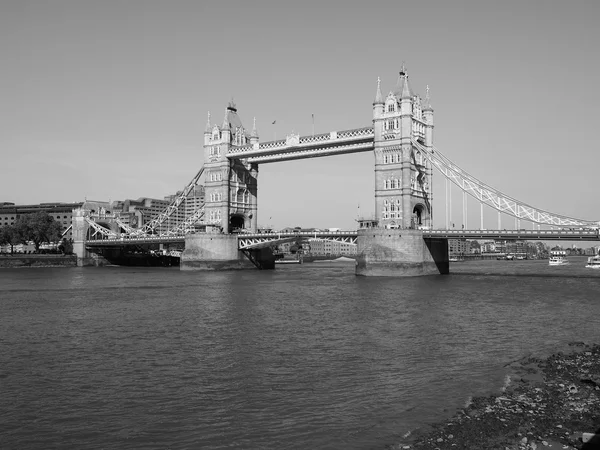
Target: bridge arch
[[420, 214], [237, 222]]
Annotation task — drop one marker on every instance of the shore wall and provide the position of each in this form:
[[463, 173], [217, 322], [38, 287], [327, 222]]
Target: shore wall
[[38, 261], [218, 252], [400, 253]]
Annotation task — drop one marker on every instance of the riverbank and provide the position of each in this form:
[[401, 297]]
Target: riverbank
[[37, 260], [549, 403]]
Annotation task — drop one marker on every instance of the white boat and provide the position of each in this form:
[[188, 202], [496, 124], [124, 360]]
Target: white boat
[[558, 258], [593, 262]]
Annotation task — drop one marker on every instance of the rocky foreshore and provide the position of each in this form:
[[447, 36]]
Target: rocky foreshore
[[550, 403]]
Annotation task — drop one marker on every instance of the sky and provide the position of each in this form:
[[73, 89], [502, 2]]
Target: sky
[[108, 100]]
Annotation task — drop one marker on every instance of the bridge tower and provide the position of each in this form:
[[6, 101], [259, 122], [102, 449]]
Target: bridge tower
[[402, 173], [403, 200], [231, 184]]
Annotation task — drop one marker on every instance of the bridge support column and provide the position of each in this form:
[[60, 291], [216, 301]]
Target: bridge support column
[[211, 251], [400, 253], [80, 231]]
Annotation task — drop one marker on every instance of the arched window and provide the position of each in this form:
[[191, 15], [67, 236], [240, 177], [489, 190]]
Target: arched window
[[419, 157], [396, 183], [391, 107]]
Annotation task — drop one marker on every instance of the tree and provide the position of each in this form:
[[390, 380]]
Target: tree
[[38, 227], [9, 236], [66, 246]]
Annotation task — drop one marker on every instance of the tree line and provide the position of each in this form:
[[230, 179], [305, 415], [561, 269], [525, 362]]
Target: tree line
[[39, 228]]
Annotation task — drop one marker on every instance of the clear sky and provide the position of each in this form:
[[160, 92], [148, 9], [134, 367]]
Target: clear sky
[[108, 99]]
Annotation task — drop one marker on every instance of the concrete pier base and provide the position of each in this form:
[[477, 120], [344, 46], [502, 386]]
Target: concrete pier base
[[84, 257], [220, 252], [400, 253]]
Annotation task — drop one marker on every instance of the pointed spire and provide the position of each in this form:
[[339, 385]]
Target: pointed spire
[[207, 129], [399, 84], [406, 92], [254, 131], [225, 121], [403, 69], [427, 102], [378, 96], [232, 105], [402, 87]]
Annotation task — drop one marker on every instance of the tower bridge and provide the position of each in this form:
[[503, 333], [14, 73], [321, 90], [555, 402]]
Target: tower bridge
[[399, 241]]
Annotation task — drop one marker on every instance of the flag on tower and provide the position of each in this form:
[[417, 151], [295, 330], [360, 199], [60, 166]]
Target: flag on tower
[[274, 122]]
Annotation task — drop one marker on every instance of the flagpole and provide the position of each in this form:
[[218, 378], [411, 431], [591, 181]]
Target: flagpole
[[313, 125]]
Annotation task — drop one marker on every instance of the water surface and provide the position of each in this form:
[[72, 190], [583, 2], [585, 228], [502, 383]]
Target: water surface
[[307, 356]]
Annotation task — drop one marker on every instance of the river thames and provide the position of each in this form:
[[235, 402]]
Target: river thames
[[306, 356]]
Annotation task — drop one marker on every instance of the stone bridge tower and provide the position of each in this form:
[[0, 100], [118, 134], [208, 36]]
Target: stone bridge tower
[[403, 196], [231, 184]]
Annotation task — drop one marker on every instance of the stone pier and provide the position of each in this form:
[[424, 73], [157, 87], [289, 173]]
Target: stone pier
[[400, 253], [212, 251]]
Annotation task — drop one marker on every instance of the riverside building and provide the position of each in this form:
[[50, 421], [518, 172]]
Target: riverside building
[[61, 212]]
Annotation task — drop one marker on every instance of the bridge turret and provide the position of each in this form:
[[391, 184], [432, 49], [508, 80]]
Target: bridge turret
[[378, 108], [225, 129], [405, 94], [428, 119], [254, 134], [428, 141], [207, 131]]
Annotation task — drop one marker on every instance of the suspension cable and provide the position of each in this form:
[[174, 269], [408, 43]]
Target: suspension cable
[[495, 198]]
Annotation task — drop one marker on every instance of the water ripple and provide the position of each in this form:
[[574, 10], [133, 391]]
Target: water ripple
[[303, 357]]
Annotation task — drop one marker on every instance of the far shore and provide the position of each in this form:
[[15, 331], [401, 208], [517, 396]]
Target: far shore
[[17, 260]]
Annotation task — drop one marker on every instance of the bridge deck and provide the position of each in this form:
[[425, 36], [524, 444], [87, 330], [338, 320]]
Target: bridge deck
[[259, 239]]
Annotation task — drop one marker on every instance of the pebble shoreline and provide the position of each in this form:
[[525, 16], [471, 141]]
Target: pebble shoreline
[[549, 403]]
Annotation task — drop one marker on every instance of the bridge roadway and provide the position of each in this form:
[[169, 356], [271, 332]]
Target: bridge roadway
[[530, 235], [258, 240]]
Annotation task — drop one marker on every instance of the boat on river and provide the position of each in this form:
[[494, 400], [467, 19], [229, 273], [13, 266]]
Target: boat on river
[[558, 258], [280, 258], [593, 262]]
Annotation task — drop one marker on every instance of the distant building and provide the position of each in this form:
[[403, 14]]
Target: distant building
[[61, 212], [137, 213], [325, 247], [516, 247], [458, 247], [488, 247], [500, 246]]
